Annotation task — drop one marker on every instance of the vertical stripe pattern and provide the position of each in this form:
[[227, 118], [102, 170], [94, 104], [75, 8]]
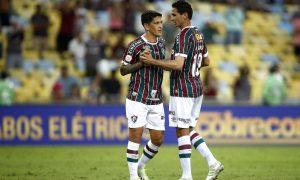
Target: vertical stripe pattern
[[145, 83], [190, 44]]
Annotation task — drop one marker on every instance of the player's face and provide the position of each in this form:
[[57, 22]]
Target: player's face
[[176, 18], [155, 27]]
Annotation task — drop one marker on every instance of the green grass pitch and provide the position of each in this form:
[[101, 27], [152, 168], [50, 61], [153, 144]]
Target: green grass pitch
[[109, 163]]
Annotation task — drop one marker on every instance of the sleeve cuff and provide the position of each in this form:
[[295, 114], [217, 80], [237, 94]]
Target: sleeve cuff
[[182, 55]]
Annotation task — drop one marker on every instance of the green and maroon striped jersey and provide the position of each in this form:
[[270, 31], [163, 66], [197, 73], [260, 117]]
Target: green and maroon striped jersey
[[190, 44], [145, 83]]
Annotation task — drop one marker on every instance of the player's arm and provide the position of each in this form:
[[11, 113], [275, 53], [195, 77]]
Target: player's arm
[[168, 65], [129, 68], [205, 62]]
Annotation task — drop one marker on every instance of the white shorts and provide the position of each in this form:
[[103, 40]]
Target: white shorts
[[142, 115], [184, 111]]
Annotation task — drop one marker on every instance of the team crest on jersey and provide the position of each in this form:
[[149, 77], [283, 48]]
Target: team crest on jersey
[[134, 118]]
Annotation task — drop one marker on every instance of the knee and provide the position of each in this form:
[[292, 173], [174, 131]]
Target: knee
[[157, 141]]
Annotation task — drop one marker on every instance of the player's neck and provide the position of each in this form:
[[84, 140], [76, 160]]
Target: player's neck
[[150, 37], [186, 24]]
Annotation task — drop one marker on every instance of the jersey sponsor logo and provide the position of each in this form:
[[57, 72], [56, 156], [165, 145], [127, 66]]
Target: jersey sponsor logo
[[185, 121], [133, 46], [198, 37], [174, 119], [172, 113], [134, 118]]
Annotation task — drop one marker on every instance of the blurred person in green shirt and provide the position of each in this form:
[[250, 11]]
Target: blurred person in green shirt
[[6, 90], [274, 87]]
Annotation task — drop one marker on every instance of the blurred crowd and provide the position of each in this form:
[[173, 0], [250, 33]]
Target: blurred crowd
[[66, 51]]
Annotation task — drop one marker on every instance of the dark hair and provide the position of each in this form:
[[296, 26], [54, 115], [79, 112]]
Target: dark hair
[[274, 68], [182, 7], [148, 16]]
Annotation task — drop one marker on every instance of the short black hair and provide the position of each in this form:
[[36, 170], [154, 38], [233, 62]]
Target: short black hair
[[148, 16], [182, 7]]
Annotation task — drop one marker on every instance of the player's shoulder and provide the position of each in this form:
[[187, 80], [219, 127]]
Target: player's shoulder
[[138, 41]]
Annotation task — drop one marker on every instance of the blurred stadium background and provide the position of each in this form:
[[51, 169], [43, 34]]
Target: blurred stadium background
[[60, 85]]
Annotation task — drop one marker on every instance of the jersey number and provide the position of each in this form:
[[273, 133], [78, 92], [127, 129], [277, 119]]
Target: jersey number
[[196, 65]]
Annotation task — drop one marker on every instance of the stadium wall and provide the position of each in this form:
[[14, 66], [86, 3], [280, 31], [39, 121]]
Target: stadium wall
[[107, 124]]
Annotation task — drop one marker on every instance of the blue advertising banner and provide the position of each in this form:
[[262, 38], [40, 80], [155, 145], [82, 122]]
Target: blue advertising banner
[[107, 124]]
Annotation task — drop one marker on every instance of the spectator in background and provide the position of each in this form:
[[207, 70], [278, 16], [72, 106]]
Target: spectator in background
[[77, 48], [242, 86], [57, 92], [129, 16], [296, 35], [94, 91], [7, 92], [95, 49], [40, 23], [75, 94], [116, 13], [81, 19], [62, 89], [111, 89], [5, 13], [234, 18], [67, 25], [274, 87], [209, 31], [15, 38], [210, 85]]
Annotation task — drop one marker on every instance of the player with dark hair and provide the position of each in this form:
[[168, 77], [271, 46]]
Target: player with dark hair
[[189, 54], [144, 108]]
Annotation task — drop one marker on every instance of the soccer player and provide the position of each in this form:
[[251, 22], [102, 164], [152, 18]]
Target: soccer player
[[189, 54], [144, 106]]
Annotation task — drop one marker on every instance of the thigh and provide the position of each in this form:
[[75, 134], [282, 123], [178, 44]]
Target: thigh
[[180, 109], [136, 114], [156, 117], [196, 110]]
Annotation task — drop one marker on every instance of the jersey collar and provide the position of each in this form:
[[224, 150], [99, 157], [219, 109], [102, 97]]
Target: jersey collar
[[148, 41]]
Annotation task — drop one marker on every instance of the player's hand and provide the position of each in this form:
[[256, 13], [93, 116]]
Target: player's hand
[[146, 57]]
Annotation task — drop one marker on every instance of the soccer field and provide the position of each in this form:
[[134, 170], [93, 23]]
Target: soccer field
[[109, 163]]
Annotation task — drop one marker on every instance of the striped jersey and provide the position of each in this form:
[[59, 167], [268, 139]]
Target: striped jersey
[[190, 44], [145, 83]]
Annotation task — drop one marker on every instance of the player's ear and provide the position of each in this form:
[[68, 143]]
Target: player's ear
[[186, 16], [146, 26]]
